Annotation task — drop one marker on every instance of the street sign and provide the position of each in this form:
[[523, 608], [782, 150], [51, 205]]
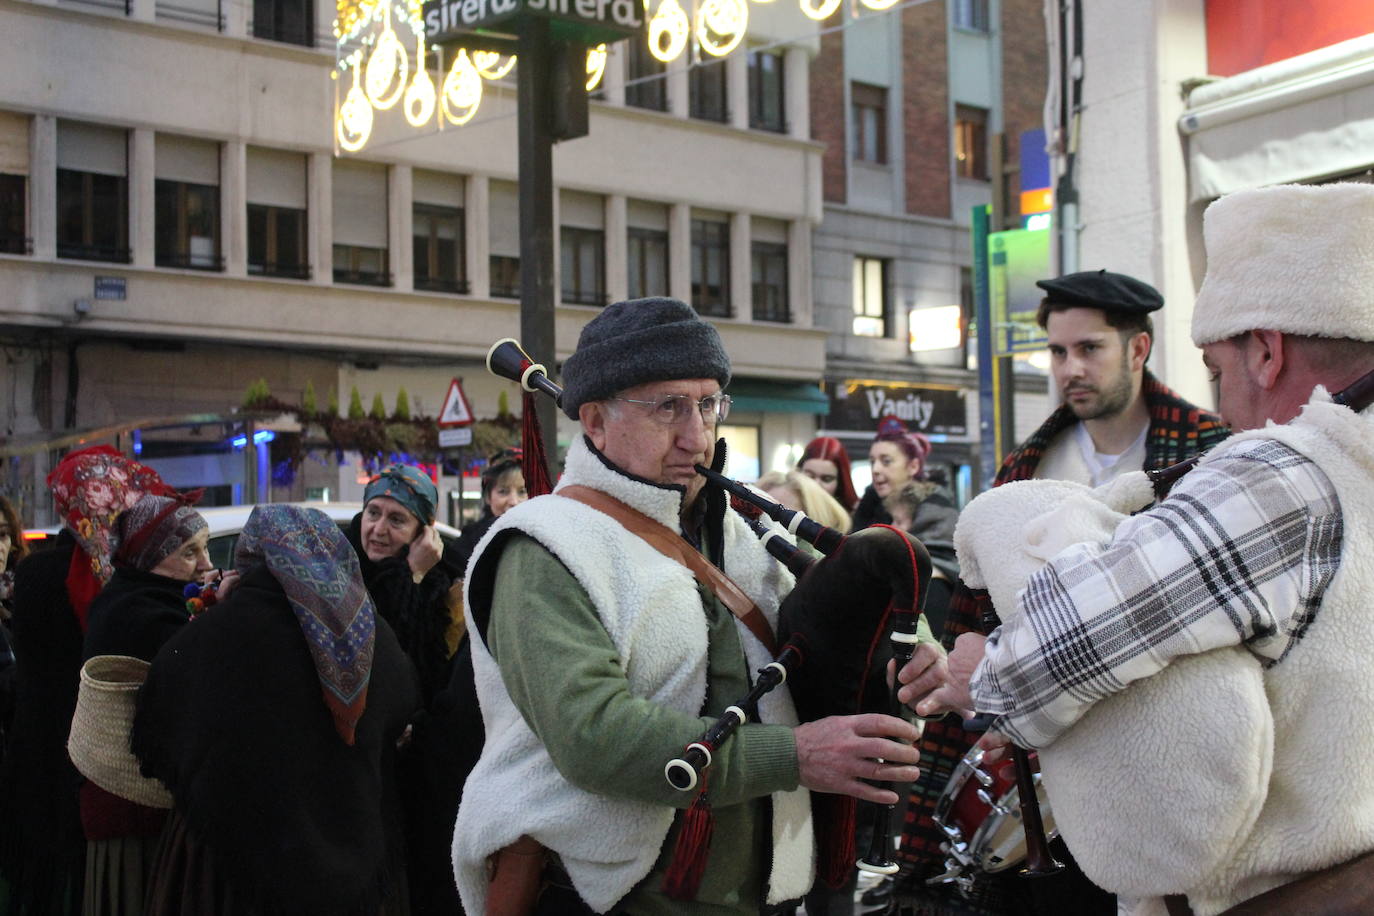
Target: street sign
[[456, 437], [1016, 259], [456, 411], [586, 22]]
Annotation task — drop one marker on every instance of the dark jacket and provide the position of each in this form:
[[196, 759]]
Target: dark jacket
[[134, 614], [42, 848], [233, 721]]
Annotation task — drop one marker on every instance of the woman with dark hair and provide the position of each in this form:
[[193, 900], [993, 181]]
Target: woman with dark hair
[[42, 847], [273, 719], [825, 461], [503, 488]]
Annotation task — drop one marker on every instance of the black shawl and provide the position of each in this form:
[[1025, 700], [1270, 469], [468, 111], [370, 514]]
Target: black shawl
[[134, 614], [231, 719], [42, 847], [418, 613]]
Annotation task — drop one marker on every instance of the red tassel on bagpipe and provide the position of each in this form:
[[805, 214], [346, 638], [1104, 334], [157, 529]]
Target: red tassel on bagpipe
[[693, 848], [534, 464]]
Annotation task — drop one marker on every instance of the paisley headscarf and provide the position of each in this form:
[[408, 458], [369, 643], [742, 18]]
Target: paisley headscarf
[[90, 487], [317, 568]]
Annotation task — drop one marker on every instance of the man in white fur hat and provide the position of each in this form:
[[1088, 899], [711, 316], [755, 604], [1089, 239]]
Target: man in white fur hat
[[599, 659], [1266, 545]]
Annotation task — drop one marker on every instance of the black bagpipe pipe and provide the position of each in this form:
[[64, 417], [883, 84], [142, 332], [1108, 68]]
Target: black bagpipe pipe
[[830, 626]]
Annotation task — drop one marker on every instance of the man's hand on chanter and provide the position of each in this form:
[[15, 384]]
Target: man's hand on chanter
[[927, 672], [838, 752]]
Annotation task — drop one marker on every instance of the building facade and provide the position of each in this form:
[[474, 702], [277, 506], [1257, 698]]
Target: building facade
[[921, 121], [175, 224]]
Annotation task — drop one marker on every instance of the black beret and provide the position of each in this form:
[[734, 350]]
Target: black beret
[[638, 341], [1101, 289]]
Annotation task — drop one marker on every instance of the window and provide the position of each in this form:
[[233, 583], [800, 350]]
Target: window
[[276, 242], [187, 225], [646, 83], [14, 214], [439, 247], [361, 264], [971, 142], [505, 276], [870, 297], [770, 281], [711, 267], [360, 224], [868, 109], [583, 260], [92, 216], [706, 91], [765, 91], [971, 14], [14, 183], [648, 263], [92, 193], [291, 21]]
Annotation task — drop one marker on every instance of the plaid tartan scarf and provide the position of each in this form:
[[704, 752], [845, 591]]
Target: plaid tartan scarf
[[1178, 430]]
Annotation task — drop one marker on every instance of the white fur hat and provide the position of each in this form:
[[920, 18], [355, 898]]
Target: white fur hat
[[1292, 258]]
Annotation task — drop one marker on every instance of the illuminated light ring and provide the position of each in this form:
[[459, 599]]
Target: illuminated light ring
[[825, 10], [596, 65], [721, 25], [670, 21], [488, 63], [878, 4], [420, 98], [353, 124], [462, 91], [390, 55]]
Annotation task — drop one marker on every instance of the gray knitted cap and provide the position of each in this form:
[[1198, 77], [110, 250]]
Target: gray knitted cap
[[638, 341]]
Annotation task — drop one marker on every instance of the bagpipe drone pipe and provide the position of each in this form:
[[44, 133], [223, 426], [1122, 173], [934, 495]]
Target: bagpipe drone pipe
[[865, 594]]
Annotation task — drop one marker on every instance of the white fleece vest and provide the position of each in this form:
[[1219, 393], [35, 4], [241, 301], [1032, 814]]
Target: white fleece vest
[[652, 610], [1320, 806]]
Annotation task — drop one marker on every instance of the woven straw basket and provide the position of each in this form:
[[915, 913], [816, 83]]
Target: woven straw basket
[[99, 739]]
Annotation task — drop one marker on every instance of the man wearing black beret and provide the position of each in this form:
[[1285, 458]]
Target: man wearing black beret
[[1115, 417]]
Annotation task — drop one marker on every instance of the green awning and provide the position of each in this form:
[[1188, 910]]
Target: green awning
[[777, 397]]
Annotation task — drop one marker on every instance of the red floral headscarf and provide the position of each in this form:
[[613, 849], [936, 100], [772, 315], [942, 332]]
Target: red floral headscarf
[[90, 487]]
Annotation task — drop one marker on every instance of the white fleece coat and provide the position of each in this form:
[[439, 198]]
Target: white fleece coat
[[652, 610], [1215, 778]]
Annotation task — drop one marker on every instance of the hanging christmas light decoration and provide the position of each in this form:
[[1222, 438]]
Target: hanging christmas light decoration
[[596, 65], [387, 67], [353, 123], [821, 10], [420, 98], [488, 63], [668, 31], [462, 91], [721, 25]]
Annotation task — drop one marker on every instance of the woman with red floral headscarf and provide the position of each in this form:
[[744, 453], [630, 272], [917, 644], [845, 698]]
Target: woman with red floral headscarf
[[42, 847]]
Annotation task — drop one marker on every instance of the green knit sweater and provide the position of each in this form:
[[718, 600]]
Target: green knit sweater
[[563, 673]]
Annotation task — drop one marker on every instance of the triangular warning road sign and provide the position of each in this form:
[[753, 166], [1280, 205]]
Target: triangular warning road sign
[[456, 411]]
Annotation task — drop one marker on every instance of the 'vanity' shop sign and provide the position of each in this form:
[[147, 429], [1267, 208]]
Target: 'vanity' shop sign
[[923, 409], [444, 18]]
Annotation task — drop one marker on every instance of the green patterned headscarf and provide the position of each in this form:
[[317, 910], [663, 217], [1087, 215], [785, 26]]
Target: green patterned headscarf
[[409, 486]]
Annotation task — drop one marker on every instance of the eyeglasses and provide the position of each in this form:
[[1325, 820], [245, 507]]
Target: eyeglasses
[[672, 409]]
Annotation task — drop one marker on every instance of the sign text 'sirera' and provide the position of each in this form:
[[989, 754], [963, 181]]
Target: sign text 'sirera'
[[448, 15]]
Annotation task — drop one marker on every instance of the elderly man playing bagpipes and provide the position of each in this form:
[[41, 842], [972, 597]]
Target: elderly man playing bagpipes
[[619, 620], [1196, 676]]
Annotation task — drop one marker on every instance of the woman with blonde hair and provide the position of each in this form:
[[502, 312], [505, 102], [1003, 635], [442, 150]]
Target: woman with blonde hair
[[795, 490]]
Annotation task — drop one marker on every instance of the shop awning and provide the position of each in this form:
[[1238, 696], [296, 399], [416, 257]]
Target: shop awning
[[1311, 116], [777, 397]]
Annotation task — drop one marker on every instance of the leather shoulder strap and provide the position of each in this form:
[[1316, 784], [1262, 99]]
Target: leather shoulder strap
[[673, 546]]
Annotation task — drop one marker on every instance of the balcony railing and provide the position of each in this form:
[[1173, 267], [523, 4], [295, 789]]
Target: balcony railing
[[82, 252], [441, 285], [287, 271]]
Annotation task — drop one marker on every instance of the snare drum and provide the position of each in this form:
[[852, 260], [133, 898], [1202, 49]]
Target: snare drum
[[980, 815]]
